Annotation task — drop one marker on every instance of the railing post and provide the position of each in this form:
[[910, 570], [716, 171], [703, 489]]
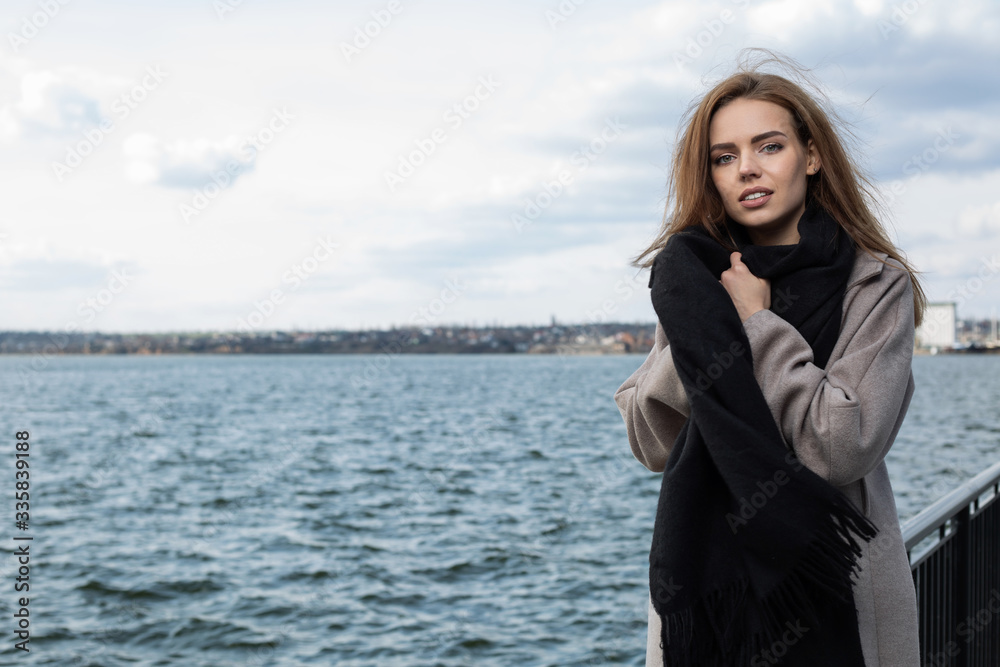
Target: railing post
[[962, 579]]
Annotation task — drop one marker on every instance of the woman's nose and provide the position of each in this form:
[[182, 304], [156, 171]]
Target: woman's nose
[[749, 166]]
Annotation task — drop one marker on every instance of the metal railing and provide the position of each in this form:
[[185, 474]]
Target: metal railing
[[954, 551]]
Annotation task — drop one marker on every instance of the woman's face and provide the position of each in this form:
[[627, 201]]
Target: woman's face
[[759, 168]]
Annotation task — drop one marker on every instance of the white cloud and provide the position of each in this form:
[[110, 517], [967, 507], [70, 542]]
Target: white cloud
[[869, 7], [186, 164], [51, 104], [789, 20], [979, 221]]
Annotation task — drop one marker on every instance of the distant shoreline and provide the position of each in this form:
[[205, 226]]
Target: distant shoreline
[[599, 339], [567, 351]]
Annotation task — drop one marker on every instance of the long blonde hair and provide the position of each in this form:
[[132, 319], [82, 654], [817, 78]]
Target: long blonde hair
[[840, 185]]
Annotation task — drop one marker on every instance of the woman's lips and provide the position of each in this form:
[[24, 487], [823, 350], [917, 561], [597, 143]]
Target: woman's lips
[[755, 203]]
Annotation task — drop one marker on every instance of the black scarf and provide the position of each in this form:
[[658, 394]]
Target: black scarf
[[752, 552]]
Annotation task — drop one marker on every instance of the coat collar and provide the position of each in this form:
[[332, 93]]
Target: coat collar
[[865, 267]]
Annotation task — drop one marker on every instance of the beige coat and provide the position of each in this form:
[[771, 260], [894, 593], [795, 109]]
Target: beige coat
[[841, 421]]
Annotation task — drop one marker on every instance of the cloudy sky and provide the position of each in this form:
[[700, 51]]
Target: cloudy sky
[[199, 164]]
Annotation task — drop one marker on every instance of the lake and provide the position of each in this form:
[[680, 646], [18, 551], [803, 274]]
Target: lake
[[367, 510]]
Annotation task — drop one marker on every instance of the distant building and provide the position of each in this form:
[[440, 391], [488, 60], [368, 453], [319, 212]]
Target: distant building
[[938, 328]]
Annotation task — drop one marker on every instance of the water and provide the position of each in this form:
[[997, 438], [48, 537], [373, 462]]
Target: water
[[362, 510]]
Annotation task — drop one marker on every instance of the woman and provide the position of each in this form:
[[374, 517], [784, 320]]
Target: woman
[[778, 380]]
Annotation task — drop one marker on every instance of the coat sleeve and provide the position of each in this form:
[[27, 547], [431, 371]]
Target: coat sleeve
[[841, 420], [654, 405]]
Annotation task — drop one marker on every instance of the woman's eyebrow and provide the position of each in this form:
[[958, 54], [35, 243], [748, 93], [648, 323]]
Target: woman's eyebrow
[[759, 137]]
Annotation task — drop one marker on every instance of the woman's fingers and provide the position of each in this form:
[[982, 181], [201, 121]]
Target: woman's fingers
[[748, 292]]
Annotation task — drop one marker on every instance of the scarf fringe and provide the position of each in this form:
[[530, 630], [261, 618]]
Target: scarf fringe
[[712, 631]]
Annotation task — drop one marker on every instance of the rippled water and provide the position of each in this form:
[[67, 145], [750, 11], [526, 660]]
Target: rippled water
[[356, 510]]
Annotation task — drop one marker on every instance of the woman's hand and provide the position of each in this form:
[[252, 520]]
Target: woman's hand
[[748, 292]]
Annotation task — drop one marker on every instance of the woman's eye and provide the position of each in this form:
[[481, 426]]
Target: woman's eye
[[771, 148], [723, 159]]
